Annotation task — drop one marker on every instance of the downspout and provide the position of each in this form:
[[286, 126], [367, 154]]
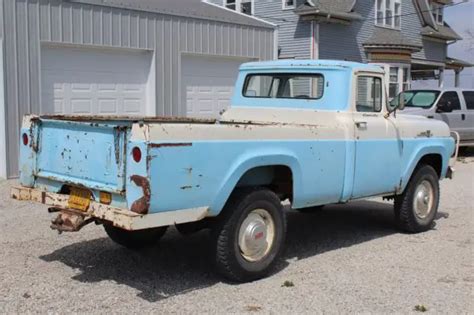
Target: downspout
[[275, 43], [3, 127]]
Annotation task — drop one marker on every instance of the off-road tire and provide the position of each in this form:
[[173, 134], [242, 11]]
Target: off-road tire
[[229, 260], [135, 239], [405, 213]]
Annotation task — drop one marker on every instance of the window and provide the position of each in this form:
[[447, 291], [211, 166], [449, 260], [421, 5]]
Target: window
[[289, 4], [369, 94], [393, 85], [437, 11], [406, 79], [284, 85], [450, 100], [469, 98], [242, 6], [388, 13], [421, 99]]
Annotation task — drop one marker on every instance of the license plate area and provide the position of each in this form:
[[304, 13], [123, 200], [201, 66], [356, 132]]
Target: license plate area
[[79, 199]]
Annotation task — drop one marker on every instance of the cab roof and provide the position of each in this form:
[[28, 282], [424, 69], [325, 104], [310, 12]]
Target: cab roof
[[310, 63]]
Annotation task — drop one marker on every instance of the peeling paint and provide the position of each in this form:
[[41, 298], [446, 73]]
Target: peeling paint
[[142, 205]]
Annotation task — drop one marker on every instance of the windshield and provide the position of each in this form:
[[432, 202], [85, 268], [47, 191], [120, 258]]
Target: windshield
[[423, 99]]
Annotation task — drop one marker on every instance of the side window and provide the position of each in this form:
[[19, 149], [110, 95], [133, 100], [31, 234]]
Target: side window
[[469, 98], [369, 94], [450, 100]]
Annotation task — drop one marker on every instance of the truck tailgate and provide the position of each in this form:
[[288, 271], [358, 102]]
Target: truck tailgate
[[91, 154]]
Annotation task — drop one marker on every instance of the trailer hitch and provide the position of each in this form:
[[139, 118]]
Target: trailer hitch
[[68, 221]]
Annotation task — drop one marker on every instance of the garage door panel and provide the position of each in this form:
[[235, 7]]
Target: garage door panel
[[208, 84], [91, 81]]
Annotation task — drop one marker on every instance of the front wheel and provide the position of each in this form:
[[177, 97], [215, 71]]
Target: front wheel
[[249, 235], [416, 208]]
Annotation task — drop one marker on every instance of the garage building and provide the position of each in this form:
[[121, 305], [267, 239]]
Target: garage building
[[120, 57]]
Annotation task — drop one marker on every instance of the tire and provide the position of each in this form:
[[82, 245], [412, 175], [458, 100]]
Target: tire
[[315, 209], [135, 239], [416, 208], [246, 254]]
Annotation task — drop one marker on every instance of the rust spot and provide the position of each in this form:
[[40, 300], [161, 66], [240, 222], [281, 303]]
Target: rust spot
[[142, 205], [162, 145]]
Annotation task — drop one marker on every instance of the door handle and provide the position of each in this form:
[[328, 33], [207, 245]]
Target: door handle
[[463, 116], [361, 124], [430, 117]]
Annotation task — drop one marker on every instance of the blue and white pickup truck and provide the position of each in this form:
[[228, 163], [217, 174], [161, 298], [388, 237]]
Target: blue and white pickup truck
[[311, 132]]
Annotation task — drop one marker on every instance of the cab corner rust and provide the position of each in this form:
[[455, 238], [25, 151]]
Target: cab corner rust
[[141, 205]]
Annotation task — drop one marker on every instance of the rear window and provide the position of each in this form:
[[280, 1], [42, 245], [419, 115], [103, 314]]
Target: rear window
[[284, 85], [469, 98]]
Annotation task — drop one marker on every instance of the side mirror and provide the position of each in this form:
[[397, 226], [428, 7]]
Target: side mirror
[[444, 107], [398, 102]]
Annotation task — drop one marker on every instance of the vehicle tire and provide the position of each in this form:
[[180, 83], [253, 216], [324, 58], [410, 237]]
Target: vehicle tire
[[135, 239], [314, 209], [249, 234], [416, 208]]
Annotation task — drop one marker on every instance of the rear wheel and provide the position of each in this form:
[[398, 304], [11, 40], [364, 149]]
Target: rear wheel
[[249, 235], [416, 208], [135, 239]]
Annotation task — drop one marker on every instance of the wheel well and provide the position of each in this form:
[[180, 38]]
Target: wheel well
[[278, 178], [434, 160]]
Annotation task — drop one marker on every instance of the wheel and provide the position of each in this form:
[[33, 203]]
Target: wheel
[[249, 235], [314, 209], [416, 208], [135, 239]]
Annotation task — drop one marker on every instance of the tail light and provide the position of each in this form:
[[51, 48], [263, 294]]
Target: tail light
[[25, 139], [137, 154]]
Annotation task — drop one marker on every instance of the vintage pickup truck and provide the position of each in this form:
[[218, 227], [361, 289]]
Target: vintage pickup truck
[[311, 132]]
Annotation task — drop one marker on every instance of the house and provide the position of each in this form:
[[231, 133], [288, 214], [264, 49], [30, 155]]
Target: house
[[409, 38], [119, 57]]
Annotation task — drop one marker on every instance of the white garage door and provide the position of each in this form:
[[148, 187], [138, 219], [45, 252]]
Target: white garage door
[[93, 81], [208, 84]]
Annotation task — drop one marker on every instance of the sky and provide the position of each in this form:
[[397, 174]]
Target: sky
[[461, 19]]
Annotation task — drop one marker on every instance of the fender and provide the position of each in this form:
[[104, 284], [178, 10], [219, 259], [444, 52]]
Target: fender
[[439, 146], [249, 161]]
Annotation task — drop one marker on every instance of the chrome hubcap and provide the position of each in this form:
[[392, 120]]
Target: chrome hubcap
[[256, 235], [424, 198]]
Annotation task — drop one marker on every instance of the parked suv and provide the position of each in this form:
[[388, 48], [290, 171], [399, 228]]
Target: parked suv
[[453, 106]]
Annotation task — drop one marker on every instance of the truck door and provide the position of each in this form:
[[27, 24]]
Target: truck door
[[378, 145], [469, 110], [450, 111]]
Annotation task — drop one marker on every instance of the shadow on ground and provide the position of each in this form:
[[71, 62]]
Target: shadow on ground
[[183, 264]]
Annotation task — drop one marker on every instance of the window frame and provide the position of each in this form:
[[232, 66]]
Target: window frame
[[394, 16], [382, 93], [297, 74], [284, 5], [437, 11], [465, 99], [238, 6], [450, 92]]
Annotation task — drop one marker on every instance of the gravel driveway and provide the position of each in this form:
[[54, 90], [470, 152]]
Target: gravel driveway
[[347, 258]]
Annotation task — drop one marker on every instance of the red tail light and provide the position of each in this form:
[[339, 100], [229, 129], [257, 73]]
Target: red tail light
[[137, 154], [25, 139]]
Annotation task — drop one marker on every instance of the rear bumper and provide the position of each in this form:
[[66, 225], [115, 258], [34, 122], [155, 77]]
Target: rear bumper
[[121, 218]]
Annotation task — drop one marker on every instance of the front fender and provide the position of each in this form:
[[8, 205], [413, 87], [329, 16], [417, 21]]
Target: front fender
[[252, 160], [422, 147]]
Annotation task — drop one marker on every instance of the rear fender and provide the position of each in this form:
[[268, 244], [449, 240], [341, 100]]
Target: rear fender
[[248, 162]]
